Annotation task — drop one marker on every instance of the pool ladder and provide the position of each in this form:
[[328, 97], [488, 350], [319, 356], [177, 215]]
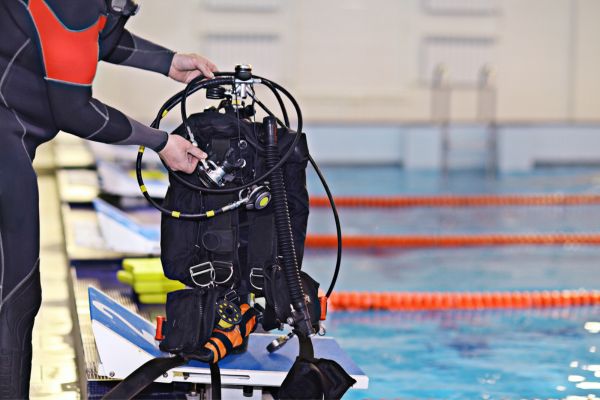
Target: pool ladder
[[486, 107]]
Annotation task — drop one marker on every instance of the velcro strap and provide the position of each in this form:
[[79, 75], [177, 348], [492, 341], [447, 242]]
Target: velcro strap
[[224, 339], [218, 236], [142, 377], [247, 317], [260, 252], [215, 381], [307, 351], [216, 347]]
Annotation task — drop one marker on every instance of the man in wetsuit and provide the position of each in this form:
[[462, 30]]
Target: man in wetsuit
[[49, 51]]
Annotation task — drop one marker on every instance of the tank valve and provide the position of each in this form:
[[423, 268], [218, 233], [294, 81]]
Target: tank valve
[[243, 72]]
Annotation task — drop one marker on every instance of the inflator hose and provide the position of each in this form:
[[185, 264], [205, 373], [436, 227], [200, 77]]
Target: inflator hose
[[283, 225]]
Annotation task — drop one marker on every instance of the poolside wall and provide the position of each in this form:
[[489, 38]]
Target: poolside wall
[[520, 147]]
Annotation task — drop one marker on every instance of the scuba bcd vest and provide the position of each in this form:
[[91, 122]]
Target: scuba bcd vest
[[232, 231]]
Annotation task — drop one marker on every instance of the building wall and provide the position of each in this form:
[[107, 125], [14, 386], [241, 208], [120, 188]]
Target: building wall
[[586, 64], [372, 61]]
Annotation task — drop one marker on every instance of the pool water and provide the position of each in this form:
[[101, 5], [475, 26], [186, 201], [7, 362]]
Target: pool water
[[503, 354], [459, 220], [461, 269], [381, 180], [472, 355]]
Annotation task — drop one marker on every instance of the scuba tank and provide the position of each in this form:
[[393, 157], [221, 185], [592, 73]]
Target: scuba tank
[[233, 231]]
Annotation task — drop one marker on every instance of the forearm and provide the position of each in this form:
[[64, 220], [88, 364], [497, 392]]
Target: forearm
[[76, 112]]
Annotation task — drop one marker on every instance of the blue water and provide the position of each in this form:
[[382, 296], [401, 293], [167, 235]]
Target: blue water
[[471, 355], [461, 269], [459, 220], [391, 180], [509, 354]]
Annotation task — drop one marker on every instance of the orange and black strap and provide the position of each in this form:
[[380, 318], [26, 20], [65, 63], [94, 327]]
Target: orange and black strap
[[214, 347], [226, 340], [222, 342], [248, 323]]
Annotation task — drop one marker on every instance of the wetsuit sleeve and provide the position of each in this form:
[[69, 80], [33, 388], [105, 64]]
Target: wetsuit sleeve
[[119, 46], [136, 52]]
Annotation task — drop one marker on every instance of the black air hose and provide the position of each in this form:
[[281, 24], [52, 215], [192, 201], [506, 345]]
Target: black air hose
[[285, 238]]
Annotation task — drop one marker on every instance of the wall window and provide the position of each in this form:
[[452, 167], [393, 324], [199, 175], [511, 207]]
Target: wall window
[[243, 5], [262, 51], [462, 7], [461, 58]]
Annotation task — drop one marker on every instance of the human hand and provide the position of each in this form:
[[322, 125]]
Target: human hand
[[181, 155], [186, 67]]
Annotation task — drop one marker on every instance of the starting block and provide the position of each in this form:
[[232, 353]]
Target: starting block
[[125, 341]]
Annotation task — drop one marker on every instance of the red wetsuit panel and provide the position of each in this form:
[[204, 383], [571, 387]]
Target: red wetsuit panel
[[69, 55]]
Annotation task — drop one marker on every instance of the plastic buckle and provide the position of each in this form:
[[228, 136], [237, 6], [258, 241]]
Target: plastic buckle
[[231, 296], [202, 269], [257, 273], [222, 265], [160, 320]]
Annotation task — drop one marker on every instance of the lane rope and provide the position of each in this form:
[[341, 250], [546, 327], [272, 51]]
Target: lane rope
[[458, 201], [428, 301], [424, 241]]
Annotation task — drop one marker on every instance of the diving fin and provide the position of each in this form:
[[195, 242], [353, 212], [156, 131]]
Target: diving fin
[[315, 378]]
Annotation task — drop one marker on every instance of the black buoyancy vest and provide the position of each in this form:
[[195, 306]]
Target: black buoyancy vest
[[244, 238]]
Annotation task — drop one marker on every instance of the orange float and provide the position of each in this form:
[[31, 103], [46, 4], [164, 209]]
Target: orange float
[[458, 201], [421, 241], [429, 301]]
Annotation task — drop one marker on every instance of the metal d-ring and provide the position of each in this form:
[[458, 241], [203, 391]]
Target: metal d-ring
[[210, 270]]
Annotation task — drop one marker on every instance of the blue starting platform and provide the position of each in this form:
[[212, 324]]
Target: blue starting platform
[[116, 340]]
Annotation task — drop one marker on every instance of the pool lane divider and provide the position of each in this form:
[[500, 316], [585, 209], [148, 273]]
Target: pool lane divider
[[431, 301], [459, 201], [429, 241]]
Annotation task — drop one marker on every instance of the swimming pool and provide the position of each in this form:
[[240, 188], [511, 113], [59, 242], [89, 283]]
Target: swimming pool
[[502, 354], [472, 355]]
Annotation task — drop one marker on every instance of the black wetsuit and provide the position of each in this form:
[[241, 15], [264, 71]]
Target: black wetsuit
[[49, 50]]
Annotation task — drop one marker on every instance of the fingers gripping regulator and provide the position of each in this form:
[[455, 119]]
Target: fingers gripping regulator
[[235, 230]]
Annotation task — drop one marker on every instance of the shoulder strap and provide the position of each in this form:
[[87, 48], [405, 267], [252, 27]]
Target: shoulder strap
[[307, 351], [215, 379], [143, 377], [262, 249]]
